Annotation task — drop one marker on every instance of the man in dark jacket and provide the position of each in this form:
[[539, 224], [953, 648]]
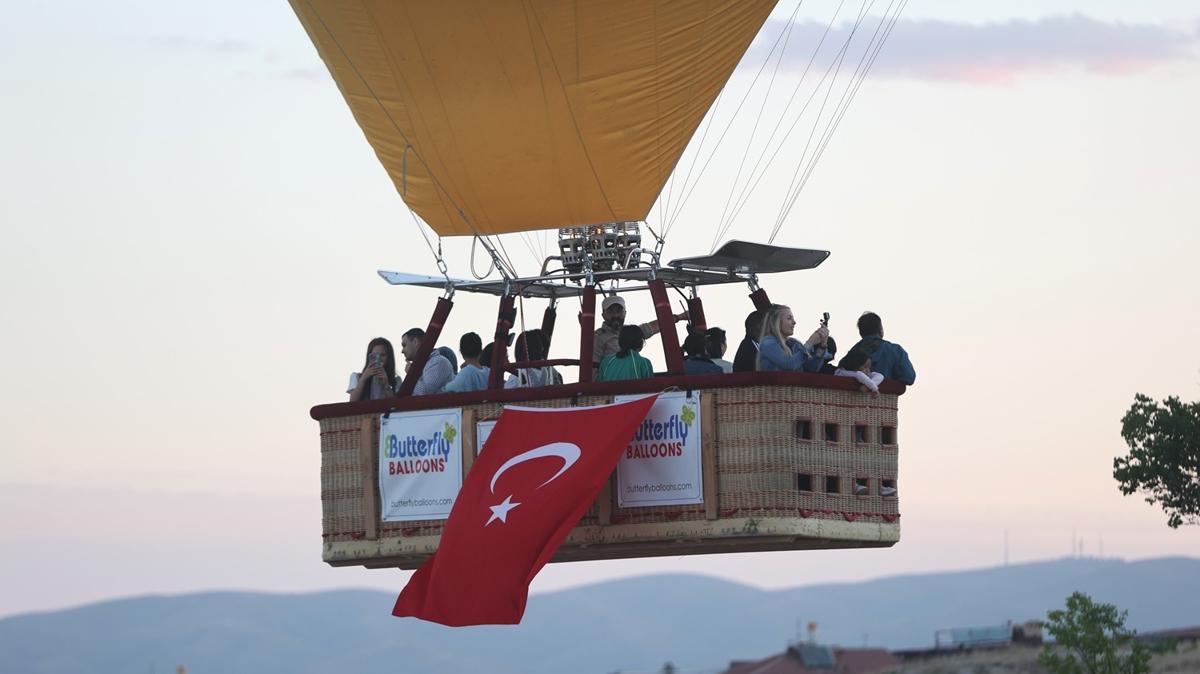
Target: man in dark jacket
[[887, 358], [746, 359]]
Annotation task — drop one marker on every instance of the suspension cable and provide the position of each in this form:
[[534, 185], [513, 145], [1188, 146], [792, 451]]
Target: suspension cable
[[755, 175], [688, 191], [387, 113], [758, 118], [839, 113]]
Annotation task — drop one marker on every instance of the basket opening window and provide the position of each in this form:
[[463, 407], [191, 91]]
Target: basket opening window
[[860, 434], [831, 432], [861, 487], [887, 435], [804, 430]]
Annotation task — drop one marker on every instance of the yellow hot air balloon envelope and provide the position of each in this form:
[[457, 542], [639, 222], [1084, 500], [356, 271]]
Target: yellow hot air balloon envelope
[[496, 116]]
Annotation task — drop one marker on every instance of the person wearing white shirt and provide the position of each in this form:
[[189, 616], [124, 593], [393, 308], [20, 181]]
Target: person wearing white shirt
[[857, 363], [378, 376], [533, 345]]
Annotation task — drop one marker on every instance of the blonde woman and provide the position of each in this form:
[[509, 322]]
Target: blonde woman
[[779, 352]]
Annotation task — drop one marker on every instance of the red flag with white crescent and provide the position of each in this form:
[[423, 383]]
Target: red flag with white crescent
[[534, 479]]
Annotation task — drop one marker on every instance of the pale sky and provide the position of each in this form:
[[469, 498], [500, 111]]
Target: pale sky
[[192, 222]]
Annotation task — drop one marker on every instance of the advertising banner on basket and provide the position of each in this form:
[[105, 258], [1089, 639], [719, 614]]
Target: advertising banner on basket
[[662, 464], [420, 464], [483, 430]]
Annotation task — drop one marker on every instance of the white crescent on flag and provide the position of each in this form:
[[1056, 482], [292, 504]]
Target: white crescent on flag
[[566, 451]]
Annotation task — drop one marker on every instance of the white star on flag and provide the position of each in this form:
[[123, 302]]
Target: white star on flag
[[500, 511]]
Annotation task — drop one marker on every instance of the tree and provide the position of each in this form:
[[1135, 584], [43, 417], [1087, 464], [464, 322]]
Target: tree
[[1092, 639], [1164, 456]]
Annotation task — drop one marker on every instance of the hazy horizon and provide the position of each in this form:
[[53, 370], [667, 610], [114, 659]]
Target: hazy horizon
[[193, 221]]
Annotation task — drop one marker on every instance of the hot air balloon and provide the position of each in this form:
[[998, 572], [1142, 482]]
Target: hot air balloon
[[493, 117]]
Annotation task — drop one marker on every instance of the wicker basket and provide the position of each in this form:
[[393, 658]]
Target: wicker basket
[[786, 468]]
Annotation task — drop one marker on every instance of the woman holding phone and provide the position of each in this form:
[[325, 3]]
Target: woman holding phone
[[778, 351], [378, 377]]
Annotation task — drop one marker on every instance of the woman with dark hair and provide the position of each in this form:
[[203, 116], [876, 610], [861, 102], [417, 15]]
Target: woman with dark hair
[[626, 363], [695, 347], [378, 377]]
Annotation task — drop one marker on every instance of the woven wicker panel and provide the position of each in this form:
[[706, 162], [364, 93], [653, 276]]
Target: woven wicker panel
[[341, 477], [760, 453], [759, 457]]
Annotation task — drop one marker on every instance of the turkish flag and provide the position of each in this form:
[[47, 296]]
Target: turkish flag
[[534, 479]]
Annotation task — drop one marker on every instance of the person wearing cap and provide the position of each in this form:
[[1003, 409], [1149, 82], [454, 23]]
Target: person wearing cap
[[606, 341]]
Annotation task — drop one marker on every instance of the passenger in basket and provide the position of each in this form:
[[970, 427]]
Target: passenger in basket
[[716, 349], [857, 363], [378, 377], [437, 371], [449, 355], [473, 376], [778, 351], [695, 347], [746, 359], [887, 358], [531, 345], [627, 362], [606, 341]]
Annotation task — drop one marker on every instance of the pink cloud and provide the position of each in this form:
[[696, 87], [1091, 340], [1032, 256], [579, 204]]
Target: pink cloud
[[993, 53]]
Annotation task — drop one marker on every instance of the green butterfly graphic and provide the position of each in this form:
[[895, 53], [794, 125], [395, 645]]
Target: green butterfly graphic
[[687, 415]]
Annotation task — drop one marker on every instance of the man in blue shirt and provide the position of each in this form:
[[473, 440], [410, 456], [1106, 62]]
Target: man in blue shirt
[[473, 376], [887, 358]]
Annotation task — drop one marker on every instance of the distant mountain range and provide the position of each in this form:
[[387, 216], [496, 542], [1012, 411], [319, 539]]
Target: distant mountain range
[[633, 625]]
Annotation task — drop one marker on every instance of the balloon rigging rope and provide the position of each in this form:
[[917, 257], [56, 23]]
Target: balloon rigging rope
[[491, 267], [834, 68], [864, 68], [756, 176], [387, 113], [689, 190], [795, 186], [662, 217], [757, 119], [804, 168]]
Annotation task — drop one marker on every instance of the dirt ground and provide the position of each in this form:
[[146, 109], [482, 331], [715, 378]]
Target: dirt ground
[[1023, 660]]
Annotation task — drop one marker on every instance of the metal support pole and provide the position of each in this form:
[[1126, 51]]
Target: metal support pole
[[587, 332], [666, 326], [505, 318], [440, 313]]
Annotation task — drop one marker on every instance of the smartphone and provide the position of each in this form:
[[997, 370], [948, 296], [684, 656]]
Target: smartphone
[[825, 320], [377, 359]]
